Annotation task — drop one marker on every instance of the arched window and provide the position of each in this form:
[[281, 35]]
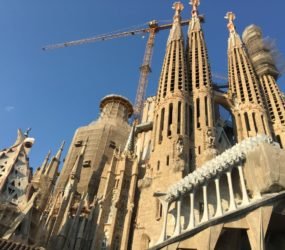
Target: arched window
[[145, 240]]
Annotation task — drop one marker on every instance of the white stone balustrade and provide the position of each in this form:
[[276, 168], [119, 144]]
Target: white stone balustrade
[[210, 172]]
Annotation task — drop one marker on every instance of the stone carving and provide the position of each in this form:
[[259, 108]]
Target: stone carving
[[179, 163], [147, 180], [179, 146], [210, 138], [211, 169]]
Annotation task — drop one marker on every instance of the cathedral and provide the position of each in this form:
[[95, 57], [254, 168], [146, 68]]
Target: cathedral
[[180, 177]]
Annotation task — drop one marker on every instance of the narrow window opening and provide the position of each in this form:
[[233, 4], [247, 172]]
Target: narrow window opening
[[190, 120], [254, 122], [179, 118], [199, 150], [167, 160], [206, 111], [279, 140], [186, 119], [198, 112], [263, 124], [161, 125], [158, 166], [155, 131], [169, 130], [246, 121], [158, 213]]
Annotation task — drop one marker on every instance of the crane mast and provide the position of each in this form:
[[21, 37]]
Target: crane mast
[[145, 69]]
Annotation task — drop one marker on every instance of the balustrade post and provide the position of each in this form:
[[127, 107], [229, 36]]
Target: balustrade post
[[191, 215], [177, 230], [205, 216], [219, 210], [245, 199], [165, 207], [232, 205]]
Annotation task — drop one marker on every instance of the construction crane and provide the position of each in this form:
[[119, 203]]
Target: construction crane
[[145, 69]]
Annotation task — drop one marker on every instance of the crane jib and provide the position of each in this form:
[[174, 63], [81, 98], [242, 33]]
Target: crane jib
[[145, 69]]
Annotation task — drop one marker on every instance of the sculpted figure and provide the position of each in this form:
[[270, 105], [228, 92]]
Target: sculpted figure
[[210, 138], [179, 146]]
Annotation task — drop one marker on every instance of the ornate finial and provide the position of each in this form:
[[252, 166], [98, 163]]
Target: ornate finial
[[178, 6], [26, 134], [231, 17], [195, 4]]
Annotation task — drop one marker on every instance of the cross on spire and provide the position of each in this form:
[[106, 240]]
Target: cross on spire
[[195, 4], [231, 17]]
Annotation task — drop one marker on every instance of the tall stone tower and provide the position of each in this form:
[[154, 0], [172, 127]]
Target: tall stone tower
[[244, 89], [109, 132], [267, 73], [201, 112], [169, 158], [81, 212], [171, 124]]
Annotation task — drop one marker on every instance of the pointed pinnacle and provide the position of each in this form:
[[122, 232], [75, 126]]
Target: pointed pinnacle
[[48, 155], [20, 137], [58, 154], [131, 140], [195, 4], [231, 17], [45, 162]]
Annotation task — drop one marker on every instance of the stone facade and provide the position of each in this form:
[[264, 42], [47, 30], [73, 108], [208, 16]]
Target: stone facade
[[182, 178]]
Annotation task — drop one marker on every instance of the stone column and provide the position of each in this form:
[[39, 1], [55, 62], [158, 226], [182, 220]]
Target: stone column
[[245, 199], [232, 205], [165, 207], [205, 216], [177, 230], [191, 216], [219, 210]]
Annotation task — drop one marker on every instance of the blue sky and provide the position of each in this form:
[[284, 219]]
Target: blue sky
[[58, 91]]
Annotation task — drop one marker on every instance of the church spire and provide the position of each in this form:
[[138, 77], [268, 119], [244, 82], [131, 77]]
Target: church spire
[[171, 79], [244, 88], [201, 112]]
